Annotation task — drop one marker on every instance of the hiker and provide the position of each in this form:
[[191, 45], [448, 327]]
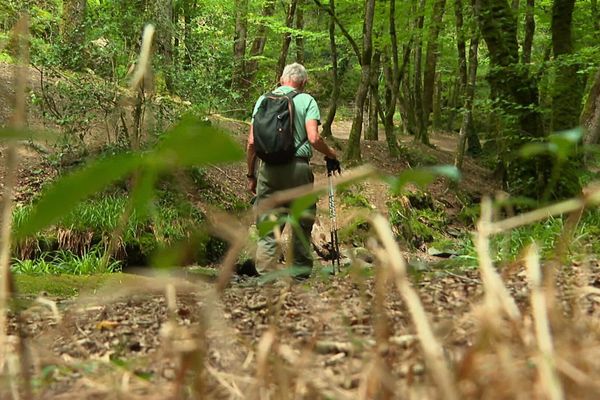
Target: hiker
[[285, 164]]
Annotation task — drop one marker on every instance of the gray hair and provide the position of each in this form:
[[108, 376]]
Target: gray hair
[[295, 73]]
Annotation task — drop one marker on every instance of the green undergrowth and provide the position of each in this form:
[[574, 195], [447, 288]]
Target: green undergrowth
[[78, 236], [417, 219], [549, 235], [67, 285], [65, 262]]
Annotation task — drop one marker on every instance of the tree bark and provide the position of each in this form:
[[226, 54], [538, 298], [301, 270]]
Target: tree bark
[[590, 117], [431, 57], [436, 112], [516, 99], [418, 107], [457, 95], [595, 16], [73, 33], [467, 131], [162, 15], [568, 87], [335, 92], [189, 8], [372, 132], [393, 77], [239, 44], [299, 28], [353, 153], [529, 31], [287, 39], [258, 45]]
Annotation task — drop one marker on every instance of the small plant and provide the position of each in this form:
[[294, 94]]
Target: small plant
[[65, 262]]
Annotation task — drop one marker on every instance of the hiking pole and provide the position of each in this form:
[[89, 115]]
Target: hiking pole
[[335, 246]]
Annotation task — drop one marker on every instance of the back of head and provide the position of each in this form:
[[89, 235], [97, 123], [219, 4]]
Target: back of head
[[294, 73]]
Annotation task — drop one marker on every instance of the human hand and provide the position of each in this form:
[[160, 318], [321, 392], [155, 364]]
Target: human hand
[[333, 166], [252, 185]]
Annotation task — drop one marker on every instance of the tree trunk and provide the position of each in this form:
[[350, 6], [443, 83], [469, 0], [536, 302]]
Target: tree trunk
[[162, 16], [73, 33], [418, 107], [353, 153], [467, 130], [189, 8], [529, 31], [516, 98], [393, 77], [335, 92], [461, 83], [299, 28], [590, 117], [258, 45], [372, 132], [287, 39], [436, 121], [431, 57], [595, 16], [568, 86], [239, 44]]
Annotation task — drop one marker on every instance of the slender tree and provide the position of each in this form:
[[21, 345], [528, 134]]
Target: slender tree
[[239, 44], [568, 86], [431, 56], [590, 117], [467, 130], [418, 109], [287, 38], [299, 28], [529, 31], [353, 153], [73, 33], [258, 45], [393, 74], [372, 132], [335, 91]]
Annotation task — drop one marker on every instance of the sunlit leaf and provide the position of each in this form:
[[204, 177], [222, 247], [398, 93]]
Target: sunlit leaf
[[67, 191], [192, 142], [302, 204], [143, 192], [18, 134], [422, 176], [533, 149]]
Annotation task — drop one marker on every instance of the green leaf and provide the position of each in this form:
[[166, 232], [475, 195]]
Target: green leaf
[[143, 192], [534, 149], [301, 204], [67, 191], [266, 226], [18, 134], [192, 142], [422, 176]]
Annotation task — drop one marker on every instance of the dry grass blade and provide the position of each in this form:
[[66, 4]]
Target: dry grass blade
[[432, 349], [288, 195], [591, 198], [496, 294], [18, 122], [144, 59], [548, 376]]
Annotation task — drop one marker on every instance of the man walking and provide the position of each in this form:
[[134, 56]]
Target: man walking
[[284, 166]]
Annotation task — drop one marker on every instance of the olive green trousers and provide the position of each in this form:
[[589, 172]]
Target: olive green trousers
[[271, 179]]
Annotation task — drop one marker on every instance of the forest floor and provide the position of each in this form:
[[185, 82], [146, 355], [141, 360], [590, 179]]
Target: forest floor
[[163, 336]]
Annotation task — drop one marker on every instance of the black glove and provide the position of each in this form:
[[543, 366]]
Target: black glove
[[333, 166]]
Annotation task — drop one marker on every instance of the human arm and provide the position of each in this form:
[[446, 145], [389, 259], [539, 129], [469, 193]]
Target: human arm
[[312, 131], [251, 162]]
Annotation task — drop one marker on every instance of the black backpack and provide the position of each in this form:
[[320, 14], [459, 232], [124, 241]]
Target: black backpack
[[273, 128]]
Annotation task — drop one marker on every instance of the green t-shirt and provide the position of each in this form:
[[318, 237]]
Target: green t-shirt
[[306, 109]]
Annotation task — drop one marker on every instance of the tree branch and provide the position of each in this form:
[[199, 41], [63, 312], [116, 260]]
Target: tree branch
[[346, 34]]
